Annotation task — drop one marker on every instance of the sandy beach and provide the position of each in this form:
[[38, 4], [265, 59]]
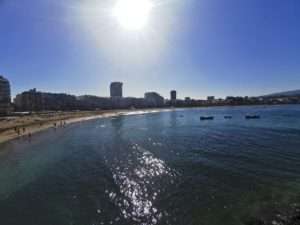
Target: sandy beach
[[33, 123]]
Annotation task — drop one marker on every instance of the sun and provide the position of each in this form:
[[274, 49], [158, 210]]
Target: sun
[[132, 14]]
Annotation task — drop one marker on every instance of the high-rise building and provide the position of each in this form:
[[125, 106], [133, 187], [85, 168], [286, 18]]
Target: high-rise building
[[173, 96], [116, 89], [5, 98]]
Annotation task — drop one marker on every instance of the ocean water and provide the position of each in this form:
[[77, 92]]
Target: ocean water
[[160, 168]]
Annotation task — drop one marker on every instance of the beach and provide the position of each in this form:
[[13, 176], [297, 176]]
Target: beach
[[13, 127]]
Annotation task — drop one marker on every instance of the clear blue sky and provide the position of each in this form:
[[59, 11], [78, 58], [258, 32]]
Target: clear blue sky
[[198, 47]]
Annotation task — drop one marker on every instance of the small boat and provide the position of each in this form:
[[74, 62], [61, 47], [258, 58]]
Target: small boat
[[227, 117], [206, 117], [249, 117]]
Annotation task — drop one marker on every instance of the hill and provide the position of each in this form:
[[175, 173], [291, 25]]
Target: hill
[[284, 94]]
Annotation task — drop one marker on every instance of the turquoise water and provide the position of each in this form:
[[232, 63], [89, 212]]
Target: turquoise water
[[160, 168]]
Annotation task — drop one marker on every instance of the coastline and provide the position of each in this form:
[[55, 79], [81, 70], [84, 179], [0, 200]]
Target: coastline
[[39, 122]]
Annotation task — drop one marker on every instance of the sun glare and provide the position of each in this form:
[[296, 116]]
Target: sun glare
[[132, 14]]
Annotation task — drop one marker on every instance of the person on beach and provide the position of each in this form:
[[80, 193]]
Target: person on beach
[[17, 130], [24, 129], [29, 136]]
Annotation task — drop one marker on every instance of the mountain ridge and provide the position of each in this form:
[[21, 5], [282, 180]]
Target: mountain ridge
[[284, 93]]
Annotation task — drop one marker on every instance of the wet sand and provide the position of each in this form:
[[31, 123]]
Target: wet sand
[[27, 125]]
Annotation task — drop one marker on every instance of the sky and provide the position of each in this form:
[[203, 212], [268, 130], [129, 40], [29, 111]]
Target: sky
[[197, 47]]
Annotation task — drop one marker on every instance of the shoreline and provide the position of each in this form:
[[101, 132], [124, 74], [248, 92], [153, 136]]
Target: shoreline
[[38, 122], [33, 125]]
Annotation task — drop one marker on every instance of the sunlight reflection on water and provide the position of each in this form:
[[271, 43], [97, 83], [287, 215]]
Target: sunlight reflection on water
[[138, 182]]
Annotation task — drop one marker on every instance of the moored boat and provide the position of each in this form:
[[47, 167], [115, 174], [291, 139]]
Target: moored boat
[[249, 117], [206, 117]]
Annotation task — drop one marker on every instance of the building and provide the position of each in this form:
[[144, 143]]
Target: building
[[29, 101], [34, 100], [173, 95], [59, 102], [210, 98], [5, 98], [116, 90], [153, 99], [90, 102]]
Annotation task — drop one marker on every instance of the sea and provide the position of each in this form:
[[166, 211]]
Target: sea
[[159, 168]]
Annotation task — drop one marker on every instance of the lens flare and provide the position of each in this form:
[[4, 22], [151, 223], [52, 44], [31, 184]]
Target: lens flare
[[132, 14]]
